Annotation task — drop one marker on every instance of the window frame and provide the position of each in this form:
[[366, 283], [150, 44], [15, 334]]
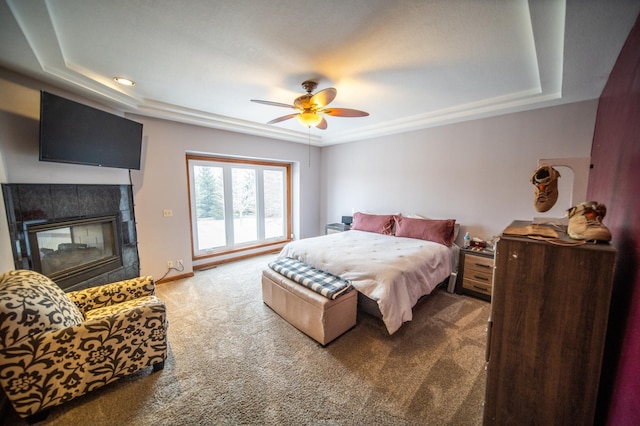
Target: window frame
[[243, 162]]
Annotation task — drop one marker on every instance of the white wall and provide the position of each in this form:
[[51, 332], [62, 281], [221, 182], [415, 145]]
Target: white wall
[[19, 130], [160, 184], [6, 260], [19, 121], [476, 172]]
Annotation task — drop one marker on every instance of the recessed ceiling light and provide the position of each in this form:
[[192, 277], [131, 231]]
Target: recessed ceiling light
[[124, 81]]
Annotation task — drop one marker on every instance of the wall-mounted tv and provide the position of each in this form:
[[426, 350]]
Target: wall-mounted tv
[[71, 132]]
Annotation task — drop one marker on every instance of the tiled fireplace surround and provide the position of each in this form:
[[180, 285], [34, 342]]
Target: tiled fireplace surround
[[26, 203]]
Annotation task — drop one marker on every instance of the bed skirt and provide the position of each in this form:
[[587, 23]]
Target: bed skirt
[[370, 306]]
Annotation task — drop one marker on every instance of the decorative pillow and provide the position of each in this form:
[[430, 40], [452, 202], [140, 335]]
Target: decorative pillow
[[438, 231], [382, 224], [456, 226], [31, 303]]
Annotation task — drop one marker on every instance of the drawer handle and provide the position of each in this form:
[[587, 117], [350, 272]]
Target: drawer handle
[[482, 265], [478, 277], [480, 288]]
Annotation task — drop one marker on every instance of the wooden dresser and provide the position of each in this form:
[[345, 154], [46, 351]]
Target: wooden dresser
[[546, 334]]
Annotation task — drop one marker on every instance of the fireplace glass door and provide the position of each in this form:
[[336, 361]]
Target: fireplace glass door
[[68, 249]]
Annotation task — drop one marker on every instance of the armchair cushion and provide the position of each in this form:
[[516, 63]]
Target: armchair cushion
[[110, 294], [130, 307], [31, 303]]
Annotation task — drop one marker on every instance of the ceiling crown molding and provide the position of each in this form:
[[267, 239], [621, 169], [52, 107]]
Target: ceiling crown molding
[[541, 25]]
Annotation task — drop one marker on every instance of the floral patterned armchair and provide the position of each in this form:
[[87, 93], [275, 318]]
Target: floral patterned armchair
[[55, 346]]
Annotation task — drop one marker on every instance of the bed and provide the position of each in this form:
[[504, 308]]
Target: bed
[[392, 271]]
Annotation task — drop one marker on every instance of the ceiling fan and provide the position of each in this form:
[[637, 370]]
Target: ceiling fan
[[313, 108]]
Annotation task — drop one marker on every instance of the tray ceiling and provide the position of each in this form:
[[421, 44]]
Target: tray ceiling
[[410, 64]]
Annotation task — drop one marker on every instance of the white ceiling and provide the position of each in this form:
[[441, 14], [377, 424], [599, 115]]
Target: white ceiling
[[410, 64]]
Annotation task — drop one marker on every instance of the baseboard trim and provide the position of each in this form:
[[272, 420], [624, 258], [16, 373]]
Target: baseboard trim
[[213, 264], [174, 278]]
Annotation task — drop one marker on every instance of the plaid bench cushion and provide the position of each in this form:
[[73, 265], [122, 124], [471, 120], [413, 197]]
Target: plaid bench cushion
[[329, 285]]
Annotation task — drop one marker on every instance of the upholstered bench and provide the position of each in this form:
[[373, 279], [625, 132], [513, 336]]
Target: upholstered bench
[[317, 316]]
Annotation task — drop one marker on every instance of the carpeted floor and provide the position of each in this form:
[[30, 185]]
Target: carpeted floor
[[233, 361]]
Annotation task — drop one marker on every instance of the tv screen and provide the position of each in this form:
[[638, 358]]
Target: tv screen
[[71, 132]]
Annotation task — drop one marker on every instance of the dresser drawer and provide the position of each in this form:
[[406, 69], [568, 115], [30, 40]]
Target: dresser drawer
[[477, 286]]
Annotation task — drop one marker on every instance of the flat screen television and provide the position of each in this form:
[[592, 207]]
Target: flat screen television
[[71, 132]]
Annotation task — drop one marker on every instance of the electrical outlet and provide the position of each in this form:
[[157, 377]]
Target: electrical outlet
[[169, 264], [180, 264]]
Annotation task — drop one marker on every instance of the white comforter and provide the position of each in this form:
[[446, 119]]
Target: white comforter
[[393, 271]]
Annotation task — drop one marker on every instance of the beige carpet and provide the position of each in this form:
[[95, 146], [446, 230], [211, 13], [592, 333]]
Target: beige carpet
[[234, 361]]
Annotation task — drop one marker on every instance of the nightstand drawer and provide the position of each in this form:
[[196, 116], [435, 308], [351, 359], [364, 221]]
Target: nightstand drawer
[[478, 263], [481, 276], [477, 273], [336, 227], [477, 286]]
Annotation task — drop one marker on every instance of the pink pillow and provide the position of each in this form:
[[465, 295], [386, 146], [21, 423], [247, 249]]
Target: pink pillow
[[438, 231], [382, 224]]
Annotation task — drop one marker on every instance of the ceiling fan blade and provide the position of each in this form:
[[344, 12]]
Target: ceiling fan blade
[[344, 112], [278, 104], [322, 125], [283, 118], [324, 97]]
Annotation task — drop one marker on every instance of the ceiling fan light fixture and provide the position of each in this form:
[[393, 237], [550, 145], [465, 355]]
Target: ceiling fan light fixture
[[309, 119], [124, 81], [312, 108]]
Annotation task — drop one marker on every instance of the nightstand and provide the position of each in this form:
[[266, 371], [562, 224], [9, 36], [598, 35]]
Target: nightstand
[[336, 227], [475, 273]]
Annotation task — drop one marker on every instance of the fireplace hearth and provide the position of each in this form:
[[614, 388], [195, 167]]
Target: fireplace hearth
[[78, 235]]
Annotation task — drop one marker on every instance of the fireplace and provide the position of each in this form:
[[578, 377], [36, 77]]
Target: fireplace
[[78, 235], [70, 251]]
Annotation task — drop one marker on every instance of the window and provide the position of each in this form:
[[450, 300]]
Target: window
[[237, 204]]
